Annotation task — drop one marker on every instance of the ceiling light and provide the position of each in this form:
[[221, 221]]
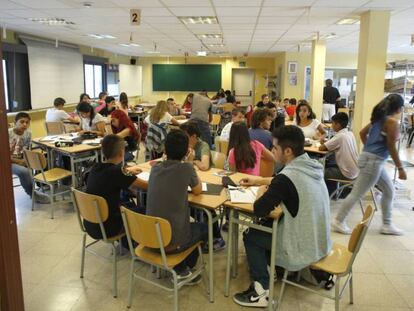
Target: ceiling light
[[210, 36], [134, 44], [128, 45], [198, 19], [52, 21], [218, 45], [108, 37], [328, 36], [349, 21], [152, 52], [201, 53]]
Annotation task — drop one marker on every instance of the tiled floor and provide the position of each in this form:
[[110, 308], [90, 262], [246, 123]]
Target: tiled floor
[[50, 255]]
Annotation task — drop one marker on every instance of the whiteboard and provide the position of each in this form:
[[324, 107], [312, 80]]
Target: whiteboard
[[130, 80], [54, 72]]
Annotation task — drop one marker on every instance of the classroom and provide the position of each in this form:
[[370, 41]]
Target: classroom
[[206, 154]]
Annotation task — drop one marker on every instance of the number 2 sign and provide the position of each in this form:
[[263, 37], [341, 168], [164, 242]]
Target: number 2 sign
[[135, 17]]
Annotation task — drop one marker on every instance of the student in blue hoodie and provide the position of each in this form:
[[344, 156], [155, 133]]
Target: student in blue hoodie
[[303, 231]]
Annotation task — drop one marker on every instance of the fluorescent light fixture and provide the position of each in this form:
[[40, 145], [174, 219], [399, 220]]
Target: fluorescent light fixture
[[201, 53], [152, 52], [210, 36], [219, 45], [52, 21], [327, 36], [128, 45], [98, 36], [349, 21], [198, 19]]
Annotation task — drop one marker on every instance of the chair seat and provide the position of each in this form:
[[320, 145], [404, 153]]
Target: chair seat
[[116, 237], [53, 174], [336, 262], [154, 257]]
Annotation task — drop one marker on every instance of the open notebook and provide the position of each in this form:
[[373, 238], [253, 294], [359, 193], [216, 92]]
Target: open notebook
[[243, 195]]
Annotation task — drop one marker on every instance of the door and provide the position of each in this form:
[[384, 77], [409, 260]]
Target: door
[[243, 85]]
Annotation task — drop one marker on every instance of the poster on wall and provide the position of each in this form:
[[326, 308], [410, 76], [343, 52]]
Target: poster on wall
[[292, 67], [293, 79]]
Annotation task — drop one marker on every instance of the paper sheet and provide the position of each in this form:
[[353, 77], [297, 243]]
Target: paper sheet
[[144, 176], [203, 187], [95, 141], [245, 195]]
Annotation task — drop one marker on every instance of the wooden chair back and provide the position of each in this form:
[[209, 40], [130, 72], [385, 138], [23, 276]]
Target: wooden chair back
[[218, 159], [108, 129], [92, 208], [266, 168], [55, 128], [359, 231], [345, 110], [228, 107], [143, 229], [215, 121], [35, 160], [223, 146]]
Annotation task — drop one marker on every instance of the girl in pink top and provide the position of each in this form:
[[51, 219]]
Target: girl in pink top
[[245, 155]]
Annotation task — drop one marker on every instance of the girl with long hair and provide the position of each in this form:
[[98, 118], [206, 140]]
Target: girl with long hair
[[379, 138], [307, 122], [159, 114], [123, 102], [123, 126], [91, 121], [188, 102], [245, 154]]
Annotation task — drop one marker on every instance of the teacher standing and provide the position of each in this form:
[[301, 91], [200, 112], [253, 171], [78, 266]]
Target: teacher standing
[[331, 97], [201, 114]]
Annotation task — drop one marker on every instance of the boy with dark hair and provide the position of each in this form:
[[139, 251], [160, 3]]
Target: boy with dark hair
[[109, 106], [199, 149], [237, 115], [291, 108], [344, 145], [57, 114], [167, 198], [303, 232], [20, 138], [107, 180], [260, 125]]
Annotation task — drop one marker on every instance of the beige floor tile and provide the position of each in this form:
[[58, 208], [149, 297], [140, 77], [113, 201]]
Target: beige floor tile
[[394, 261], [404, 284], [59, 244], [35, 268]]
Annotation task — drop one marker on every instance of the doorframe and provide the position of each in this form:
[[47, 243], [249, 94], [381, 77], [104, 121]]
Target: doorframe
[[254, 81]]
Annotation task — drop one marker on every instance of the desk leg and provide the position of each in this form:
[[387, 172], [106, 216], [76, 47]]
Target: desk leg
[[272, 266], [72, 169], [229, 253], [210, 254], [235, 243]]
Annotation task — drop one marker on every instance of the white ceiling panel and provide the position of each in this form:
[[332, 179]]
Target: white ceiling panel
[[154, 12], [237, 20], [332, 11], [43, 4], [9, 5], [79, 3], [27, 13], [159, 20], [282, 11], [237, 11], [131, 4], [289, 3], [232, 3], [205, 28], [193, 11], [390, 4], [340, 3], [186, 3], [267, 20]]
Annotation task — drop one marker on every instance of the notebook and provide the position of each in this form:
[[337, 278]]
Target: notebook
[[144, 176], [243, 195], [203, 187]]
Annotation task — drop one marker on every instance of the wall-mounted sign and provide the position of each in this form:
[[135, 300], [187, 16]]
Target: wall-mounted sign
[[135, 17]]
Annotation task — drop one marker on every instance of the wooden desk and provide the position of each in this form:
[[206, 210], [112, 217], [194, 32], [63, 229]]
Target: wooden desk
[[147, 105]]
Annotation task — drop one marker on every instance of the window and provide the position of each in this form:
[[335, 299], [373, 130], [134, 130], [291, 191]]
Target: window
[[6, 95], [94, 78]]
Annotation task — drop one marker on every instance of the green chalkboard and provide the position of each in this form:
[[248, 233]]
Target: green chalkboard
[[186, 77]]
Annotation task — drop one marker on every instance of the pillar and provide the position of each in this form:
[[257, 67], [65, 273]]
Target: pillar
[[372, 56], [317, 76]]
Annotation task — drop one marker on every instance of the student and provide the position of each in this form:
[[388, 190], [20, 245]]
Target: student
[[285, 102], [201, 114], [245, 155], [379, 138], [101, 101], [260, 122], [167, 198], [219, 94], [84, 98], [291, 108], [303, 233], [346, 152], [57, 114], [229, 97], [331, 97], [123, 102], [158, 120], [123, 127], [20, 138], [200, 150], [173, 109], [265, 100], [188, 102], [109, 106], [237, 115], [278, 116], [90, 120], [307, 122], [107, 180], [221, 100]]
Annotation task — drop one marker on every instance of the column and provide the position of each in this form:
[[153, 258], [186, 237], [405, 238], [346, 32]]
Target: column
[[317, 76], [372, 56]]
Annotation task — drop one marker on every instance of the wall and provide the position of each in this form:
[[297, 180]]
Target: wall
[[261, 66]]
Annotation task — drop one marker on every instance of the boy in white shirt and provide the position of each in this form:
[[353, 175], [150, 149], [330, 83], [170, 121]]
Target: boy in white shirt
[[237, 115], [57, 114], [343, 144]]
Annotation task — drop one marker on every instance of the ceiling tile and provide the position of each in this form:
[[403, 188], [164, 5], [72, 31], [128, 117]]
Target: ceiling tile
[[289, 3], [231, 3], [193, 11], [8, 5], [155, 12], [340, 3], [282, 11], [238, 11], [42, 4], [186, 3], [137, 4], [389, 4]]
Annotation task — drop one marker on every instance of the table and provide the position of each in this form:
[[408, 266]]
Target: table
[[233, 238], [76, 153], [146, 105]]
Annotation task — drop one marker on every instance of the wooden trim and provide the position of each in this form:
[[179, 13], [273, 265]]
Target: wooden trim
[[11, 290]]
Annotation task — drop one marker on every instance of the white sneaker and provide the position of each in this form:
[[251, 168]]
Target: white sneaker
[[340, 227], [254, 296], [391, 230]]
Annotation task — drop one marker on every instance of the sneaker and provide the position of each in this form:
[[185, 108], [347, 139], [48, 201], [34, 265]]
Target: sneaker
[[183, 274], [218, 244], [391, 230], [254, 296], [195, 281], [340, 227]]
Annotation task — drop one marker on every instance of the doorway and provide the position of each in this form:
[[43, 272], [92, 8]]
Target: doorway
[[243, 85]]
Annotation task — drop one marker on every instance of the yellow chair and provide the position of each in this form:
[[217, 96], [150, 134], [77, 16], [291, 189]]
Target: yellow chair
[[153, 234], [94, 209], [221, 145], [267, 168], [36, 161], [108, 129], [345, 110], [338, 262], [55, 128], [214, 124], [228, 107], [218, 159]]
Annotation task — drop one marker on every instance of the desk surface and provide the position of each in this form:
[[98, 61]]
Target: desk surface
[[248, 208], [74, 149]]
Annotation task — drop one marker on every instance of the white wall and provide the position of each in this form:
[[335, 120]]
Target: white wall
[[130, 79]]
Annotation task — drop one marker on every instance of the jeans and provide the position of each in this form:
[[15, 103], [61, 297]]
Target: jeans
[[204, 128], [199, 232], [258, 245], [24, 176], [371, 172]]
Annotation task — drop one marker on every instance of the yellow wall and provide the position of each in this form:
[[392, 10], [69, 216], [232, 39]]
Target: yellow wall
[[261, 66]]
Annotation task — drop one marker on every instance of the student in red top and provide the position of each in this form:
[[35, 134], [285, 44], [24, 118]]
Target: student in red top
[[245, 154], [123, 127], [188, 102], [291, 108]]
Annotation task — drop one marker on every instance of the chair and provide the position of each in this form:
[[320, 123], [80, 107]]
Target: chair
[[409, 130], [221, 145], [55, 128], [345, 110], [94, 209], [338, 262], [153, 234], [267, 168], [36, 161], [214, 124], [218, 159], [108, 129]]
